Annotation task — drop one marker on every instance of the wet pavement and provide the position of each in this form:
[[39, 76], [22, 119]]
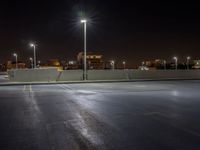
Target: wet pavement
[[108, 116], [3, 78]]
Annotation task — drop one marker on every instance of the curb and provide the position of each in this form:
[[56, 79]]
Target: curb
[[91, 81]]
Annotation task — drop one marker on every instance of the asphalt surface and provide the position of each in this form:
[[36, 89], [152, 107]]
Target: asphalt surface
[[108, 116], [3, 78]]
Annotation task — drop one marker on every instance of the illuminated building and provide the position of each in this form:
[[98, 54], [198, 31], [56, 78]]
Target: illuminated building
[[94, 60], [154, 64], [72, 65], [12, 65], [196, 64], [53, 63]]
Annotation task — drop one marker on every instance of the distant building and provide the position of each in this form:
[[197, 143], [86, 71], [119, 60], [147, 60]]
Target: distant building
[[196, 64], [12, 65], [71, 65], [94, 60], [2, 67], [111, 64], [153, 64], [53, 63]]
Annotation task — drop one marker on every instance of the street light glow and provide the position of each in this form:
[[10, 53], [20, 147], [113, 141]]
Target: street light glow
[[187, 63], [32, 45], [112, 62], [188, 58], [34, 53], [83, 21], [31, 59], [15, 55], [165, 64], [124, 64], [176, 62]]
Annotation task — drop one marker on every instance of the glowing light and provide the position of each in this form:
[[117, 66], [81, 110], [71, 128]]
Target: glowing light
[[32, 45], [188, 58], [83, 21], [112, 62], [71, 62]]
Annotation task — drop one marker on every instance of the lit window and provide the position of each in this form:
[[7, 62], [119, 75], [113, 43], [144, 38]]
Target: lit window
[[98, 57]]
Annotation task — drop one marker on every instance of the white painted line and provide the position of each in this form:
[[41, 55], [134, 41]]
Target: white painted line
[[30, 88], [24, 88], [65, 87]]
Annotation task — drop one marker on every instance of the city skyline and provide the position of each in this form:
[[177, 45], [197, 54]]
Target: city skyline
[[132, 31]]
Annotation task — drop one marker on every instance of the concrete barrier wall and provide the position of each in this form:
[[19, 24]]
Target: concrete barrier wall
[[31, 75], [3, 73], [107, 74], [70, 75], [164, 74]]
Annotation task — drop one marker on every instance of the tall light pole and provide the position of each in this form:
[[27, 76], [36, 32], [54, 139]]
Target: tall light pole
[[31, 59], [15, 55], [143, 63], [124, 64], [39, 63], [84, 21], [188, 61], [34, 51], [112, 63], [176, 62], [165, 64]]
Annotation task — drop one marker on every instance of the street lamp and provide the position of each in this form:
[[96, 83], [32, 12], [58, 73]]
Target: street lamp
[[143, 63], [31, 59], [188, 61], [112, 63], [39, 63], [15, 55], [33, 45], [165, 64], [124, 64], [84, 21], [176, 62]]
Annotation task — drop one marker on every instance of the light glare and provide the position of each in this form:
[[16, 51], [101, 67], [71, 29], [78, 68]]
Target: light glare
[[32, 45], [83, 21]]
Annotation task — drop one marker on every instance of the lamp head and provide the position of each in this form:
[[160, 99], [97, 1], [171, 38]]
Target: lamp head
[[83, 21], [112, 62], [32, 45]]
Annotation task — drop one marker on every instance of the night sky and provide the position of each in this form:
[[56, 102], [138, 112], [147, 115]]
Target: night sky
[[120, 30]]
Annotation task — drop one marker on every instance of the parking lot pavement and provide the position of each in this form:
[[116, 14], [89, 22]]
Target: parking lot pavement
[[3, 78], [119, 116]]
